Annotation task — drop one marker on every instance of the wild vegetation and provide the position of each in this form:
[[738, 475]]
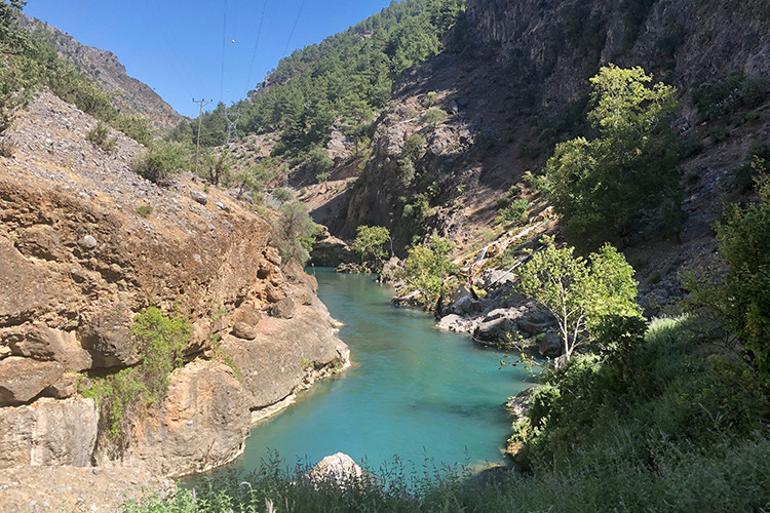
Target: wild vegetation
[[126, 395], [372, 243], [294, 233], [429, 270]]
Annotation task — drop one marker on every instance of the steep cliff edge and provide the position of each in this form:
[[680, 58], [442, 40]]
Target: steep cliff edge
[[515, 81], [85, 244]]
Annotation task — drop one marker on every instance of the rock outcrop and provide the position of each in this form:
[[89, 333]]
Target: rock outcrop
[[85, 244]]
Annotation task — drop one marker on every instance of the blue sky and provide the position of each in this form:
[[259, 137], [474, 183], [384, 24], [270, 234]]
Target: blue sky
[[175, 46]]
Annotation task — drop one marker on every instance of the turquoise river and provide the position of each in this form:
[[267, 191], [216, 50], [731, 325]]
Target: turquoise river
[[413, 393]]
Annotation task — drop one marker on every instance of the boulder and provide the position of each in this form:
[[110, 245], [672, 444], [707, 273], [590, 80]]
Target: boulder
[[284, 309], [456, 324], [244, 331], [493, 328], [22, 379], [87, 242], [49, 432], [338, 468], [465, 305], [199, 197], [410, 300]]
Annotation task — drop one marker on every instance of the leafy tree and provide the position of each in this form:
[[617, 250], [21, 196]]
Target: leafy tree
[[581, 294], [217, 166], [428, 268], [598, 186], [294, 233], [371, 242]]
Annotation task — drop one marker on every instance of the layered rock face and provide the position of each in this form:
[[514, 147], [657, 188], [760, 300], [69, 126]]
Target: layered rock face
[[85, 244]]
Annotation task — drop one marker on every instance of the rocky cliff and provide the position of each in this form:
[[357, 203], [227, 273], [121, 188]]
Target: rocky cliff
[[129, 94], [514, 82], [85, 244]]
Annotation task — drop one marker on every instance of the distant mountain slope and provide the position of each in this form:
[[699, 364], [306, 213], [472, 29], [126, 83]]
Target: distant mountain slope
[[104, 67]]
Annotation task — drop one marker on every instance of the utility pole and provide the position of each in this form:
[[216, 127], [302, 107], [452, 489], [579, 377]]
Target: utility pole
[[201, 104]]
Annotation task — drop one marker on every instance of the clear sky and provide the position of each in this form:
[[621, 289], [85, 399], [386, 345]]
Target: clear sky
[[175, 46]]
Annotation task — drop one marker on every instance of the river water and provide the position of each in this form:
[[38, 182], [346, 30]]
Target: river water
[[413, 393]]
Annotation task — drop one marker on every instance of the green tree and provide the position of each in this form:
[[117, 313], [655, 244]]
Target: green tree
[[371, 242], [582, 295], [294, 233], [598, 186], [428, 269]]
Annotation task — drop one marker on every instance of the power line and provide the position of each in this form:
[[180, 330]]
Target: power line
[[224, 45], [294, 27], [256, 46], [201, 104]]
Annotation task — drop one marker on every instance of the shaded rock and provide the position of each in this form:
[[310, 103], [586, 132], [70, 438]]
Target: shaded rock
[[518, 405], [338, 468], [410, 300], [108, 339], [199, 197], [330, 251], [36, 489], [465, 305], [22, 379], [494, 328], [49, 432], [284, 309], [550, 344]]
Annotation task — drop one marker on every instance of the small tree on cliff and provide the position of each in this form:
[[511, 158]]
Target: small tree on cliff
[[371, 242], [581, 294]]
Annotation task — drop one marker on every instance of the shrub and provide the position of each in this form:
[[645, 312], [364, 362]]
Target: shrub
[[144, 211], [162, 161], [7, 148], [126, 394], [515, 214], [99, 136], [429, 270], [434, 117], [136, 127], [598, 186], [726, 95]]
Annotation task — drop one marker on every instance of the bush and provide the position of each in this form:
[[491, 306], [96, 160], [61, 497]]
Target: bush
[[125, 395], [434, 117], [162, 161], [136, 127], [515, 214], [99, 136], [727, 95]]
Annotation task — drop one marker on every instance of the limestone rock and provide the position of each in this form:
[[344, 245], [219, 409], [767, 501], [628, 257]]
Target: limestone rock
[[199, 197], [87, 242], [202, 423], [44, 343], [338, 468], [108, 339], [49, 432], [22, 379], [64, 388], [49, 489], [456, 323]]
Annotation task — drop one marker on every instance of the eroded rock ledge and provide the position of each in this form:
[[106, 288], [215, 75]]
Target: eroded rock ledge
[[85, 244]]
